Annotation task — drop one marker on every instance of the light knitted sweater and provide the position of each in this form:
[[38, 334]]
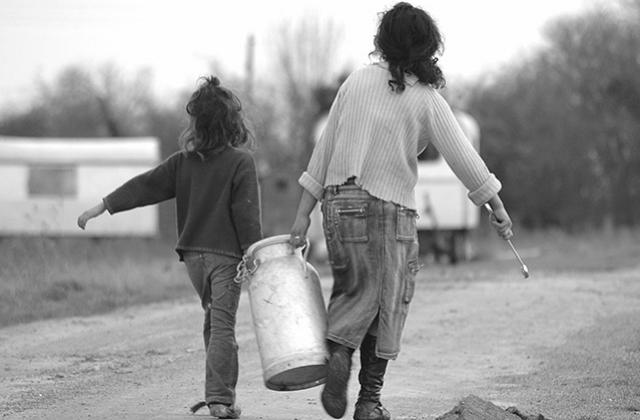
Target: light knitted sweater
[[375, 135]]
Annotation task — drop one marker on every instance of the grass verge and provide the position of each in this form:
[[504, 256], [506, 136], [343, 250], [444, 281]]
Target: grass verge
[[56, 277]]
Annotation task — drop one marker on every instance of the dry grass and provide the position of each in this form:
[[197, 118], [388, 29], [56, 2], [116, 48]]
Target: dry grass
[[45, 277], [556, 251]]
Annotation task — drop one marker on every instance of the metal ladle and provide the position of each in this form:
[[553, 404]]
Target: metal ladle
[[523, 266]]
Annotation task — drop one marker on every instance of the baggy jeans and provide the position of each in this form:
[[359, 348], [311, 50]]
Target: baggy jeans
[[373, 251], [213, 277]]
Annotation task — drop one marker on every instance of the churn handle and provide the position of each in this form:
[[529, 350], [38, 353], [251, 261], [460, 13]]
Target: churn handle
[[245, 269], [305, 251], [305, 254]]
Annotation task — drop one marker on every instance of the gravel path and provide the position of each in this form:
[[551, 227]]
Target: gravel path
[[566, 345]]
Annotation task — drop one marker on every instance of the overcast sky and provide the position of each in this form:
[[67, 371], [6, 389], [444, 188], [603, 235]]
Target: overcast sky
[[177, 39]]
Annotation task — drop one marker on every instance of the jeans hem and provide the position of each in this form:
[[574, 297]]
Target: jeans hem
[[342, 341], [387, 356]]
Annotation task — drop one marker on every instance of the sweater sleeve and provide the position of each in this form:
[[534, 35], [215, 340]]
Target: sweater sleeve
[[313, 178], [151, 187], [448, 137], [245, 203]]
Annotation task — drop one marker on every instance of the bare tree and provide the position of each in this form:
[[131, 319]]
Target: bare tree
[[305, 56], [123, 102], [81, 102]]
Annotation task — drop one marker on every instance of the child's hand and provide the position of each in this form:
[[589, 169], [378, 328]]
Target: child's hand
[[501, 221], [299, 231], [90, 214]]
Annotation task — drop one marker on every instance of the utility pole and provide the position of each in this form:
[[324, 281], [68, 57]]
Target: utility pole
[[249, 65]]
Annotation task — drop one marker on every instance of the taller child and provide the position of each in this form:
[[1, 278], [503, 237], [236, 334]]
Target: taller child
[[215, 186], [364, 170]]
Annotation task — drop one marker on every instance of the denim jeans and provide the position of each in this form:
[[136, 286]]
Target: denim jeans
[[213, 276], [373, 252]]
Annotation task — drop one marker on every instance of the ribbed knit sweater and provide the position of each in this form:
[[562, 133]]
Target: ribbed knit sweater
[[375, 135]]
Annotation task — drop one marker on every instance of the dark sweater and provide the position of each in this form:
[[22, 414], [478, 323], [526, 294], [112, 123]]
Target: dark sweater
[[217, 199]]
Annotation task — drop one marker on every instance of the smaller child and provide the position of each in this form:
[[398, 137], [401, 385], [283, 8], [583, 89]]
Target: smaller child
[[215, 187]]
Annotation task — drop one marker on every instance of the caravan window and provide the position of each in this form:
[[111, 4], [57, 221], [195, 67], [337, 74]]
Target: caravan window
[[53, 180]]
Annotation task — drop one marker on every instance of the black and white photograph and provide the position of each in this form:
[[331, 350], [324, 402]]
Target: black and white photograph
[[320, 209]]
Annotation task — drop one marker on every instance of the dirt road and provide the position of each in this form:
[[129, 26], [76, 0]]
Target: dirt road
[[566, 345]]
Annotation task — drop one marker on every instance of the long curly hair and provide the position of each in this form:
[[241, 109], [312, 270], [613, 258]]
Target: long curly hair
[[408, 39], [216, 120]]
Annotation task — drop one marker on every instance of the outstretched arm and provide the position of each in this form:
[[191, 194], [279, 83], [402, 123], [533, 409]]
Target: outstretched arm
[[153, 186], [448, 137]]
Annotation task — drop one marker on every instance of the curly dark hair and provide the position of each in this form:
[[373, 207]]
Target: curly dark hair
[[408, 39], [216, 119]]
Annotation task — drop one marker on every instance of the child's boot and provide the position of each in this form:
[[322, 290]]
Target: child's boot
[[371, 377], [334, 393], [219, 411]]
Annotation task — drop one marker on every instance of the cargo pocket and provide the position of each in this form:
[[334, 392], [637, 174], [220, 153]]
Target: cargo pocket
[[335, 249], [405, 224], [224, 297], [352, 222], [413, 266]]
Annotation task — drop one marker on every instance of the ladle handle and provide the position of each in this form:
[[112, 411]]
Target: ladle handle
[[523, 266]]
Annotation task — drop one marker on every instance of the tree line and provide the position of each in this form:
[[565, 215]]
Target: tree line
[[562, 126]]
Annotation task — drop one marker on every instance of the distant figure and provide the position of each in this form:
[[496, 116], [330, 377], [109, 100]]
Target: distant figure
[[215, 186], [364, 170]]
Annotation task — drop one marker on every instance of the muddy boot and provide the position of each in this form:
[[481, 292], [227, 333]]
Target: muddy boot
[[223, 411], [334, 393], [371, 377], [219, 411]]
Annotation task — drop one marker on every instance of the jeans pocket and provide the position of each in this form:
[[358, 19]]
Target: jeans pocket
[[405, 224], [234, 290], [352, 222], [226, 297]]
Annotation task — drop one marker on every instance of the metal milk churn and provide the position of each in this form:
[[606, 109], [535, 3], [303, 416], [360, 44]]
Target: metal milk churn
[[289, 314]]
